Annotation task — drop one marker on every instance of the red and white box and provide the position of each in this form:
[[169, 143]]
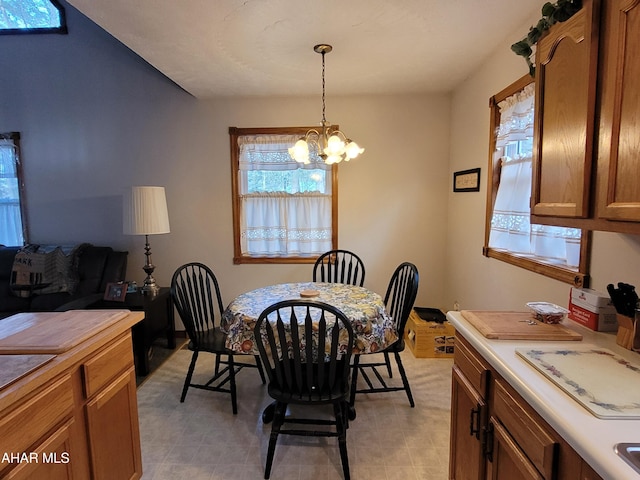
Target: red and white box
[[592, 309]]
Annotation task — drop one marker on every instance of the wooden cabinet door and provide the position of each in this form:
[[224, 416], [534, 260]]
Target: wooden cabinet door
[[52, 459], [563, 146], [468, 426], [619, 155], [525, 428], [507, 461], [114, 437], [588, 473]]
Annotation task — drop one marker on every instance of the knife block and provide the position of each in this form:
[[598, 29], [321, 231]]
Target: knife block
[[626, 331]]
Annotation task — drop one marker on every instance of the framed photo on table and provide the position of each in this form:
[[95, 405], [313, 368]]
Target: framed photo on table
[[467, 180], [115, 292]]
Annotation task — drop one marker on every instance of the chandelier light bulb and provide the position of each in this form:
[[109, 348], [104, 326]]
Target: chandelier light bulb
[[335, 146], [331, 159], [352, 150], [300, 151]]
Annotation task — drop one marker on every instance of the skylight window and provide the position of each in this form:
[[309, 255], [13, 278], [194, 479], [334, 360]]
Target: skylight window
[[31, 16]]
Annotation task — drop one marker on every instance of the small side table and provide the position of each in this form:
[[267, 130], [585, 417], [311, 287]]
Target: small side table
[[158, 321]]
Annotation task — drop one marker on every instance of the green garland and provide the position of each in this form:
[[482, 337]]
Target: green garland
[[552, 13]]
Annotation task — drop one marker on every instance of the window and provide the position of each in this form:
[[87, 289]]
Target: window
[[31, 16], [557, 252], [13, 231], [283, 211]]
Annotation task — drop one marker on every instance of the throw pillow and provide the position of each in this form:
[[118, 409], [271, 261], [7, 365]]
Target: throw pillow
[[39, 270]]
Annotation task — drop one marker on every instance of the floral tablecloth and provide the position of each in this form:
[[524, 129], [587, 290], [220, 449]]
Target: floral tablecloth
[[373, 328]]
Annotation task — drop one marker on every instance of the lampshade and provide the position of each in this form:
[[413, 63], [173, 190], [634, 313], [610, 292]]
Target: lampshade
[[145, 211]]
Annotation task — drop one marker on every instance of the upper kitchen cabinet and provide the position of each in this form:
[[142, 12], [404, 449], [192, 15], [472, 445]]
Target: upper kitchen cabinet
[[587, 130], [619, 141], [566, 73]]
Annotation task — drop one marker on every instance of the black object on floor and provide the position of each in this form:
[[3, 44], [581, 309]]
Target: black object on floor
[[157, 355]]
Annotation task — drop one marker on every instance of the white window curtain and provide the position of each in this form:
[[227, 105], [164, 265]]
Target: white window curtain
[[10, 216], [285, 220], [511, 229]]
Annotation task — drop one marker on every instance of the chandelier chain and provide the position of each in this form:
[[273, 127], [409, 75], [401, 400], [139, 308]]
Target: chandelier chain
[[323, 103]]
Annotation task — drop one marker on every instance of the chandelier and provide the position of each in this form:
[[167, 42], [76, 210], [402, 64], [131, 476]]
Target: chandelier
[[331, 144]]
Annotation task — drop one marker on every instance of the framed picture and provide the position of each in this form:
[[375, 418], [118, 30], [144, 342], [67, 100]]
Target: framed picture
[[115, 292], [466, 180]]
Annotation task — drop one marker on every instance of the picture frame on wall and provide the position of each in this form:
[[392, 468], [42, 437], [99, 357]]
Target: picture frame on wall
[[467, 180], [115, 292]]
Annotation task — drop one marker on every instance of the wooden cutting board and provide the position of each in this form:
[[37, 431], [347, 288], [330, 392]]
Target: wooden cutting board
[[502, 325], [53, 332]]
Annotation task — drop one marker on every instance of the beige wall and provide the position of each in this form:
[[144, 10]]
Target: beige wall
[[390, 199], [477, 282]]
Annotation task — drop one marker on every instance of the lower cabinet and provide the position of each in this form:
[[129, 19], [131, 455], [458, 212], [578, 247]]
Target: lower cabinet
[[82, 424], [588, 473], [467, 453], [518, 428], [469, 410], [51, 459], [506, 458], [112, 419], [497, 435]]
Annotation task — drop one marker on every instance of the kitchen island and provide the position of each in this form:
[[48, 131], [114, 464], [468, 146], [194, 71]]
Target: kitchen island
[[68, 406], [572, 426]]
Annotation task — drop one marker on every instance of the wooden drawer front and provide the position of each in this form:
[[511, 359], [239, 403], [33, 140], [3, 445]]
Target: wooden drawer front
[[526, 429], [474, 368], [29, 423], [107, 364]]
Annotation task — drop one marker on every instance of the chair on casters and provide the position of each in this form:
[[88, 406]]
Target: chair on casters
[[308, 365], [339, 266], [399, 299], [196, 295]]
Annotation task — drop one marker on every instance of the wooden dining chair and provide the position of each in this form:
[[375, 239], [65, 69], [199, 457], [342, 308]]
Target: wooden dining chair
[[399, 300], [339, 266], [196, 296], [308, 365]]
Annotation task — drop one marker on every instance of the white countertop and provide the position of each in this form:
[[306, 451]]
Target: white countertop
[[592, 438]]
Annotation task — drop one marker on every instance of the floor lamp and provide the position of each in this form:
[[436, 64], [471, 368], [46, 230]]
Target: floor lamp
[[145, 213]]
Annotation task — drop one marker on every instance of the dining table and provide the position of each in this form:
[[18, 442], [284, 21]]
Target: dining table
[[373, 328]]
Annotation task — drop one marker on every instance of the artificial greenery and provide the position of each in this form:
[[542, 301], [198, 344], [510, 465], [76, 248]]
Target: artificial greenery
[[552, 13]]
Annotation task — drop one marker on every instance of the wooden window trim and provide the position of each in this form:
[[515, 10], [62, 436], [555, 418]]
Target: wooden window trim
[[579, 278], [238, 258]]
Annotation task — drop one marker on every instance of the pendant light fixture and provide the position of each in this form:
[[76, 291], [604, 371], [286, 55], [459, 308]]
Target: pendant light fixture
[[331, 144]]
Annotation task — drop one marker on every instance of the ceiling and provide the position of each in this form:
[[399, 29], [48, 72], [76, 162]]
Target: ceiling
[[214, 48]]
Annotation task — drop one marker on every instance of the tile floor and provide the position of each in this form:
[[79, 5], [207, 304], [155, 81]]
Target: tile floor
[[201, 439]]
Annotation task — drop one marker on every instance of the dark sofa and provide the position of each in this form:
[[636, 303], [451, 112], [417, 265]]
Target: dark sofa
[[94, 268]]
